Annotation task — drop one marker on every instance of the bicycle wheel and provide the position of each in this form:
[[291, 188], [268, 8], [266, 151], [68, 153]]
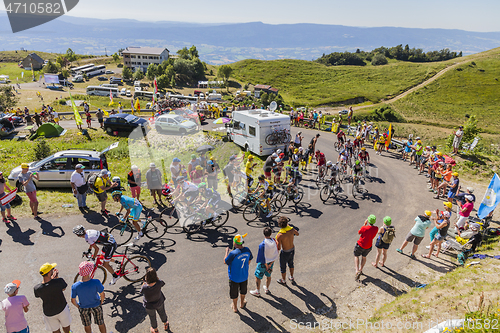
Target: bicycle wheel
[[251, 213], [238, 200], [135, 268], [99, 274], [122, 233], [192, 224], [319, 181], [355, 189], [155, 228], [268, 139], [325, 192], [336, 190], [299, 197], [170, 216], [336, 146], [221, 219], [276, 206]]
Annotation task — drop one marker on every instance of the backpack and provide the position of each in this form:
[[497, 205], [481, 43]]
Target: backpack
[[91, 182], [389, 235]]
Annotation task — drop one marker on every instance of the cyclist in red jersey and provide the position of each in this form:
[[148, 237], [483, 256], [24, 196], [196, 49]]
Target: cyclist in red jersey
[[341, 137], [321, 159], [364, 156]]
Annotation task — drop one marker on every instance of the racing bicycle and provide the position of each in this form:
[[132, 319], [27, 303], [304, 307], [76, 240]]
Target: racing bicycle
[[152, 228], [199, 219]]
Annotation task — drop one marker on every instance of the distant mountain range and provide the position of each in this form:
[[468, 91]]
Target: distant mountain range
[[225, 43]]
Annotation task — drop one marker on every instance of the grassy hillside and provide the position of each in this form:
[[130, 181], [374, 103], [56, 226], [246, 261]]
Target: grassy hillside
[[16, 56], [308, 83]]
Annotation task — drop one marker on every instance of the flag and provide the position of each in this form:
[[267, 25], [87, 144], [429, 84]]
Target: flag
[[155, 98], [111, 98], [389, 136], [132, 106], [137, 105], [78, 118], [8, 197], [490, 200], [105, 112]]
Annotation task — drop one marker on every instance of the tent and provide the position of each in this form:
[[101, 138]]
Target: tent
[[48, 130]]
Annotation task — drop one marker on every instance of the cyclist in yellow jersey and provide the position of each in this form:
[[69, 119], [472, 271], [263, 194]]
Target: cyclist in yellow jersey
[[248, 170]]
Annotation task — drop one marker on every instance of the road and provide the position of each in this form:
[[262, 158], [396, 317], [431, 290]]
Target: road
[[196, 278]]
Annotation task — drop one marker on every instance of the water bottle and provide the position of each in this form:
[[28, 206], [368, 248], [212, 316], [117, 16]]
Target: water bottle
[[67, 206]]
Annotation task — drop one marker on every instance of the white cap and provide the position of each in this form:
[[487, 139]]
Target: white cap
[[152, 165], [470, 189], [469, 197], [135, 167]]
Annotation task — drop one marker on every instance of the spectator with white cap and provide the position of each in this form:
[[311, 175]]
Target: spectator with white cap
[[154, 182], [80, 187], [102, 184], [15, 306], [460, 197]]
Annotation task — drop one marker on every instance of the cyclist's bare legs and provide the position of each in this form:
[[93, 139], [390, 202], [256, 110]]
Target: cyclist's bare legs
[[136, 225], [106, 265]]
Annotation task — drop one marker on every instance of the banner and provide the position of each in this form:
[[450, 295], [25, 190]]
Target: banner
[[389, 136], [78, 118], [51, 78], [490, 200], [8, 197]]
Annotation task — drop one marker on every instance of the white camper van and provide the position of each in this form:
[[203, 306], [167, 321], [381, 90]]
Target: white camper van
[[250, 128]]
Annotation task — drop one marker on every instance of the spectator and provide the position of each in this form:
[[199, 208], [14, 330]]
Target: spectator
[[285, 238], [298, 140], [26, 179], [464, 213], [90, 293], [14, 307], [6, 207], [38, 119], [100, 117], [364, 244], [55, 308], [454, 185], [435, 230], [153, 299], [56, 117], [457, 138], [212, 170], [228, 172], [446, 174], [238, 261], [175, 169], [460, 197], [102, 184], [80, 187], [313, 142], [192, 164], [134, 179], [267, 255], [268, 165], [417, 233], [386, 234], [202, 160], [442, 227], [89, 119], [154, 182]]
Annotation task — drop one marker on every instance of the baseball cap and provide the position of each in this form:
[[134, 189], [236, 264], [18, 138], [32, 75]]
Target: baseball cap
[[103, 172], [274, 155], [387, 220], [428, 213], [152, 165], [455, 174], [238, 239], [475, 226], [24, 166], [85, 268], [447, 204], [10, 288], [469, 197], [193, 156], [232, 158], [372, 219], [446, 214], [470, 189], [45, 268], [176, 159], [79, 166], [135, 167]]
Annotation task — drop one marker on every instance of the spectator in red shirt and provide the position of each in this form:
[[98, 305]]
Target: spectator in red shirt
[[364, 244]]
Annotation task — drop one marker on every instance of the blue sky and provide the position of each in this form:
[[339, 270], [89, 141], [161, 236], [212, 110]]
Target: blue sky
[[480, 15]]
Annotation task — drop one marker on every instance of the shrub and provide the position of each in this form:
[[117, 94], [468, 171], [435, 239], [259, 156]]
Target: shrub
[[470, 132], [379, 59], [42, 149]]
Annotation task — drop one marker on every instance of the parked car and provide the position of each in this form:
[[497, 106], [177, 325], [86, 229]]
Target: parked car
[[123, 91], [78, 78], [102, 78], [124, 123], [109, 71], [16, 120], [56, 170], [188, 114], [174, 123], [6, 127], [115, 80], [341, 112], [128, 93]]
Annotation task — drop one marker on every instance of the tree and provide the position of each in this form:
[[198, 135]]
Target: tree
[[127, 73], [172, 81], [379, 59], [162, 81], [138, 75], [70, 55], [50, 67], [183, 53], [116, 57], [7, 98], [225, 72], [62, 61], [193, 52], [65, 73], [151, 71]]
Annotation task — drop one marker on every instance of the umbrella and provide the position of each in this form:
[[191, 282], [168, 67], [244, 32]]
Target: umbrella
[[222, 120], [204, 148]]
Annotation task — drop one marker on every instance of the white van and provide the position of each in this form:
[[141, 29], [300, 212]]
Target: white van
[[249, 129]]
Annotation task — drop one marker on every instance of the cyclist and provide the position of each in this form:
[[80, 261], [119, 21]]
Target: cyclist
[[295, 158], [211, 197], [132, 206], [357, 143], [262, 187], [356, 169], [94, 238], [333, 168], [343, 156], [248, 170], [321, 159], [277, 168], [187, 190], [349, 146], [341, 137], [295, 179], [364, 156]]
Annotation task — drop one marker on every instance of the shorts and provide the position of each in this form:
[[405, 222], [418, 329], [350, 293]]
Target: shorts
[[136, 190], [155, 190], [102, 196], [101, 120], [379, 244], [267, 174], [296, 145], [236, 288], [32, 196], [62, 319], [26, 330], [359, 251], [86, 316], [451, 194], [136, 213], [461, 221], [438, 237], [230, 178], [108, 251], [415, 239], [297, 181], [191, 195], [260, 271], [286, 258], [6, 206]]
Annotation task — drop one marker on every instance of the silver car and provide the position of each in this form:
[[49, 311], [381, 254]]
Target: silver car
[[174, 123], [56, 170]]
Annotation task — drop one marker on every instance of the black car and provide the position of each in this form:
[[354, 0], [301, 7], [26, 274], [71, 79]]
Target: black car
[[102, 78], [124, 123]]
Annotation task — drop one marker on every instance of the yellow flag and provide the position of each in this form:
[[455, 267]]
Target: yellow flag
[[78, 118], [105, 113], [389, 136], [137, 105]]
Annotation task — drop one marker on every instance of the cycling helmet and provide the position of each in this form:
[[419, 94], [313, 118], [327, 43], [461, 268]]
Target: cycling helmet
[[79, 230], [176, 159], [202, 185], [116, 193], [261, 177], [329, 163], [288, 168], [357, 162], [363, 149], [348, 140], [296, 150], [210, 162]]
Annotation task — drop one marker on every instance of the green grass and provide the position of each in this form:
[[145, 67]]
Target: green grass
[[16, 56], [308, 83], [14, 72]]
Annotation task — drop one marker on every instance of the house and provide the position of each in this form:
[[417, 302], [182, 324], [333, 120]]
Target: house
[[34, 59], [140, 57], [265, 88]]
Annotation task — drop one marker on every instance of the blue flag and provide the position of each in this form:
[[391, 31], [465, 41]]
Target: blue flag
[[491, 198]]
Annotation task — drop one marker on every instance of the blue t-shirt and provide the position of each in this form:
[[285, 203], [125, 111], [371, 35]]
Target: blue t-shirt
[[88, 293], [237, 262], [456, 182], [129, 203]]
